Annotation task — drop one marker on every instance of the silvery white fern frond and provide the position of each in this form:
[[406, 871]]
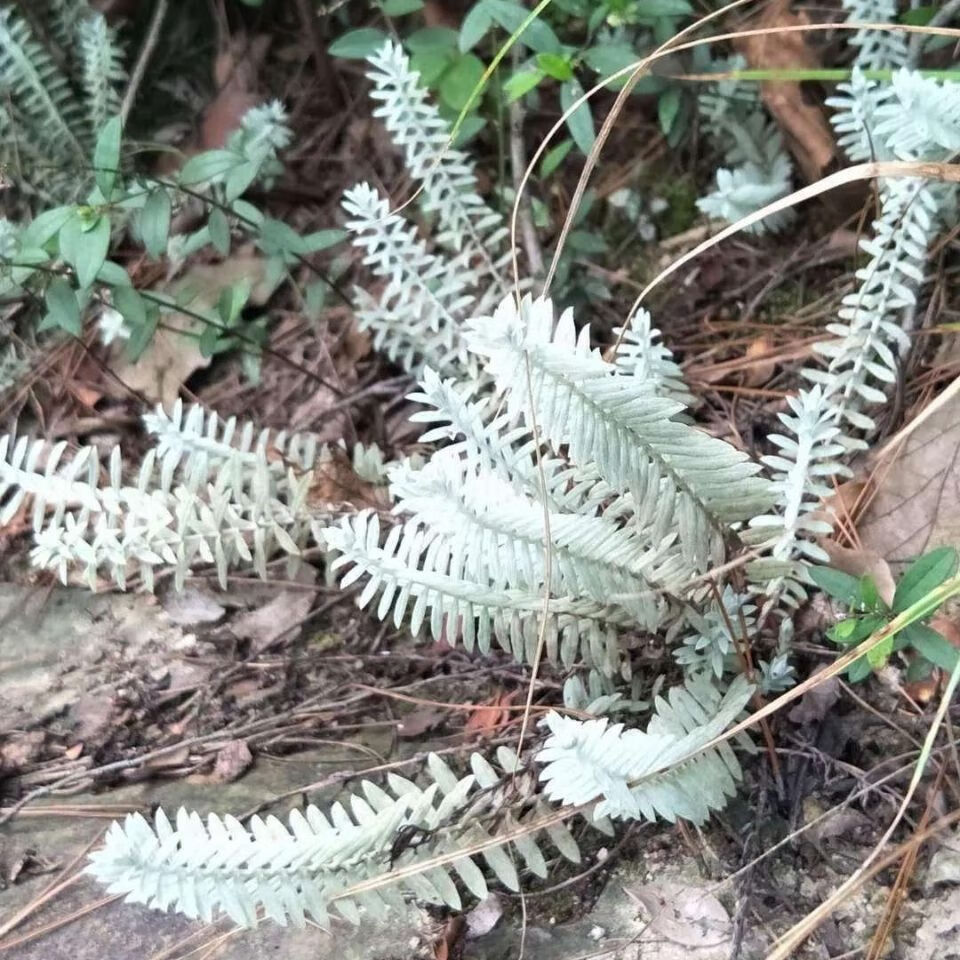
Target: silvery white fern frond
[[101, 71], [679, 477], [465, 223], [664, 772]]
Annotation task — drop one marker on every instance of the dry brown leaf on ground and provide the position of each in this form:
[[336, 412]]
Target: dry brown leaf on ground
[[859, 563], [681, 916], [916, 506], [487, 718], [172, 357], [807, 132], [279, 619]]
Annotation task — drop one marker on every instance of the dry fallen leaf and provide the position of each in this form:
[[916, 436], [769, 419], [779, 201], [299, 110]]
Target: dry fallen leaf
[[684, 915], [762, 369], [486, 719], [916, 506], [172, 357], [232, 762], [277, 620], [817, 702], [807, 132], [859, 563]]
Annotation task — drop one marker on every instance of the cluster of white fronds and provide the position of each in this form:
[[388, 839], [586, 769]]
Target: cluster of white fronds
[[52, 110], [416, 320], [911, 118], [758, 170], [629, 501], [209, 492], [712, 646]]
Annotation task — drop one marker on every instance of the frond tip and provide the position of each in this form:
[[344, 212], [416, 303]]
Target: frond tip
[[669, 771]]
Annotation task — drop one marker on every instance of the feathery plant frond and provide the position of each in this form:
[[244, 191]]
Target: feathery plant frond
[[52, 114], [302, 869], [679, 477], [711, 649], [197, 498], [409, 571], [644, 357], [759, 169], [417, 316], [877, 49], [102, 74], [464, 222], [664, 772]]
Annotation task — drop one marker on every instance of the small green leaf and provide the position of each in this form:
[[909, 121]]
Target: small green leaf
[[63, 312], [918, 16], [932, 646], [131, 305], [859, 670], [209, 165], [654, 9], [537, 35], [248, 212], [668, 106], [610, 58], [553, 65], [279, 239], [155, 222], [475, 26], [232, 301], [926, 573], [209, 340], [554, 157], [520, 83], [471, 126], [106, 156], [458, 83], [432, 38], [430, 64], [219, 231], [400, 8], [587, 242], [837, 584], [848, 633], [358, 44], [580, 122], [321, 240], [240, 177], [877, 656], [84, 245], [45, 226], [141, 336], [113, 275]]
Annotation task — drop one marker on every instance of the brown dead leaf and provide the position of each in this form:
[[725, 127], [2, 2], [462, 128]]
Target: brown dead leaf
[[862, 562], [277, 620], [486, 719], [762, 369], [684, 915], [807, 132], [420, 721], [450, 944], [172, 357], [336, 483], [817, 702], [236, 71], [232, 762], [916, 506]]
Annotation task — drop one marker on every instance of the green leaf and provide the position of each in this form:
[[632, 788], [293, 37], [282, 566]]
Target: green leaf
[[475, 26], [877, 656], [432, 38], [932, 646], [248, 212], [113, 275], [400, 8], [668, 106], [430, 64], [141, 336], [45, 226], [609, 58], [849, 632], [586, 241], [314, 300], [653, 9], [209, 165], [859, 670], [458, 83], [279, 239], [918, 16], [131, 305], [240, 177], [553, 65], [923, 575], [358, 44], [209, 340], [106, 156], [471, 126], [520, 83], [538, 35], [321, 240], [232, 301], [580, 122], [837, 584], [155, 222], [63, 312], [84, 245], [219, 231], [554, 157]]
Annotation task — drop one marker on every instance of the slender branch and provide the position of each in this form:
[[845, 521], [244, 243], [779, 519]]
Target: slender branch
[[518, 163], [146, 52]]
